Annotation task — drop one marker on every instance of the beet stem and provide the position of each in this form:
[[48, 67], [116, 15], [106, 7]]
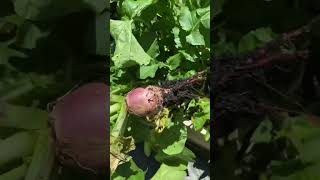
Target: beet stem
[[115, 108], [116, 98], [121, 122], [114, 117]]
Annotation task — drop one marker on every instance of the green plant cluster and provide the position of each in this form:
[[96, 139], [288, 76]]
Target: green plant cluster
[[283, 146], [155, 41], [38, 39]]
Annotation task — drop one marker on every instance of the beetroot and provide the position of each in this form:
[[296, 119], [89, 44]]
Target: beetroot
[[81, 127], [145, 101]]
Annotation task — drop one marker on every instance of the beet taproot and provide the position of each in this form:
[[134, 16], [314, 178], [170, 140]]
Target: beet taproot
[[81, 127], [145, 101]]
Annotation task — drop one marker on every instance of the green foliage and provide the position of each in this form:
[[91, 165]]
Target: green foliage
[[170, 172], [201, 116], [181, 158], [278, 146], [305, 137], [128, 48], [255, 39], [130, 171], [46, 48], [189, 29], [159, 41], [43, 10]]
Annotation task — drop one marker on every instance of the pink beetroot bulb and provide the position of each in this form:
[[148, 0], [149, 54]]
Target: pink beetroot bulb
[[81, 127], [145, 101]]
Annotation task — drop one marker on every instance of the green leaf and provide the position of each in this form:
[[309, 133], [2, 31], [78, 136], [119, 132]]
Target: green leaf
[[128, 171], [136, 127], [176, 32], [195, 38], [255, 39], [305, 137], [148, 71], [247, 43], [308, 150], [46, 9], [222, 47], [200, 118], [202, 114], [190, 23], [186, 19], [285, 168], [153, 50], [204, 14], [172, 140], [263, 133], [174, 61], [264, 34], [128, 50], [28, 36], [187, 56], [181, 75], [166, 172], [207, 135], [133, 8], [182, 158], [308, 173]]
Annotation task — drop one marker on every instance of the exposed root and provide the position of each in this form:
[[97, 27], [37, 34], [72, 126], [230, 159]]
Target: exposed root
[[182, 90]]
